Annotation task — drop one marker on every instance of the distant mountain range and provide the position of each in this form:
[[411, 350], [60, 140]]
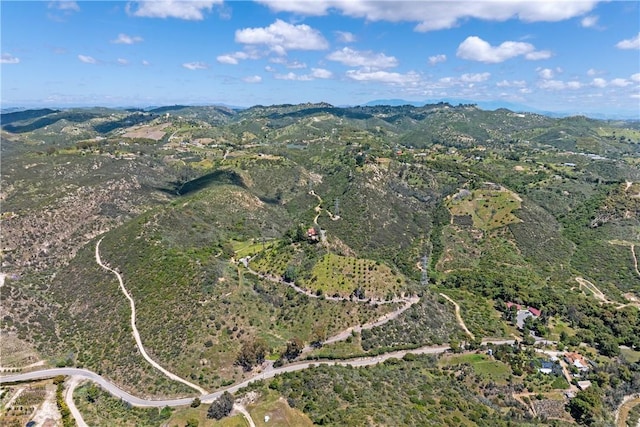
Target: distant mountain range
[[394, 102], [494, 105]]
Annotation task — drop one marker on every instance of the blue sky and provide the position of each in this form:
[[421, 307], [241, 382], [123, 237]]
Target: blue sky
[[555, 56]]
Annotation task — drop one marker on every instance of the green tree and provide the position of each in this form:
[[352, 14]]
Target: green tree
[[586, 407], [252, 353], [221, 407], [294, 348]]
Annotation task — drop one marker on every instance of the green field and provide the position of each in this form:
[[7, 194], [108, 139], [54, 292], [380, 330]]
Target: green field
[[483, 365]]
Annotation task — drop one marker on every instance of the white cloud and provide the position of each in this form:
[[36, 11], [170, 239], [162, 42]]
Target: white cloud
[[316, 73], [551, 84], [593, 72], [433, 60], [620, 82], [345, 37], [235, 57], [598, 82], [269, 69], [125, 39], [590, 21], [355, 58], [70, 6], [87, 59], [195, 65], [538, 55], [7, 58], [188, 10], [574, 85], [145, 62], [280, 37], [122, 61], [293, 76], [474, 48], [252, 79], [321, 73], [383, 77], [632, 43], [62, 9], [475, 78], [545, 73], [513, 83], [227, 59], [438, 15], [636, 77], [289, 64]]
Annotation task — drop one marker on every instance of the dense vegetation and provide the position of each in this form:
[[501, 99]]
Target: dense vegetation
[[484, 207]]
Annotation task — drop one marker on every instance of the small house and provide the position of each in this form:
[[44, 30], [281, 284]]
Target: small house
[[577, 360], [583, 385], [312, 234]]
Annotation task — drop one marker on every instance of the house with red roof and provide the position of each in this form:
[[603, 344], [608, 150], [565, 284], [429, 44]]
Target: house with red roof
[[523, 313], [577, 360]]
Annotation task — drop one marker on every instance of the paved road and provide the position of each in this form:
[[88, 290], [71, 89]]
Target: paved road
[[72, 383], [134, 328], [269, 372]]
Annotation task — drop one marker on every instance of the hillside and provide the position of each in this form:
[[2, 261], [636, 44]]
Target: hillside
[[349, 231]]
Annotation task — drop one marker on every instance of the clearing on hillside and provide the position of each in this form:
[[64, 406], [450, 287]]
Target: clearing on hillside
[[488, 208]]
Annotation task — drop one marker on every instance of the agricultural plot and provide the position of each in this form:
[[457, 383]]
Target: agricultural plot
[[341, 275], [489, 208]]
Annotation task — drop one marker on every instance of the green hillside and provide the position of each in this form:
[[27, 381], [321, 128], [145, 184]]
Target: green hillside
[[258, 228]]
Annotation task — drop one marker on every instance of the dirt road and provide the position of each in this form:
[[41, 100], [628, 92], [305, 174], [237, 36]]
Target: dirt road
[[134, 328]]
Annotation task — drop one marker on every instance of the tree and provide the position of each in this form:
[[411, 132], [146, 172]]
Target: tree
[[318, 334], [196, 402], [221, 407], [251, 354], [294, 348], [586, 407], [290, 274]]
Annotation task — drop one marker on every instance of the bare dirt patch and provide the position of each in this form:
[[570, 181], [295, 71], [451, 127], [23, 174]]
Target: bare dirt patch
[[148, 132], [47, 413], [16, 353]]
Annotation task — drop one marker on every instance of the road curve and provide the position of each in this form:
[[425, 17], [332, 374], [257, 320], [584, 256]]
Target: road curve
[[247, 416], [210, 397], [68, 397], [134, 328]]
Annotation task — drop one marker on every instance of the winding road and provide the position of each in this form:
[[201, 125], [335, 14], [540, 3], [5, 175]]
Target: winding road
[[600, 296], [134, 328], [268, 372], [78, 374], [622, 413]]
